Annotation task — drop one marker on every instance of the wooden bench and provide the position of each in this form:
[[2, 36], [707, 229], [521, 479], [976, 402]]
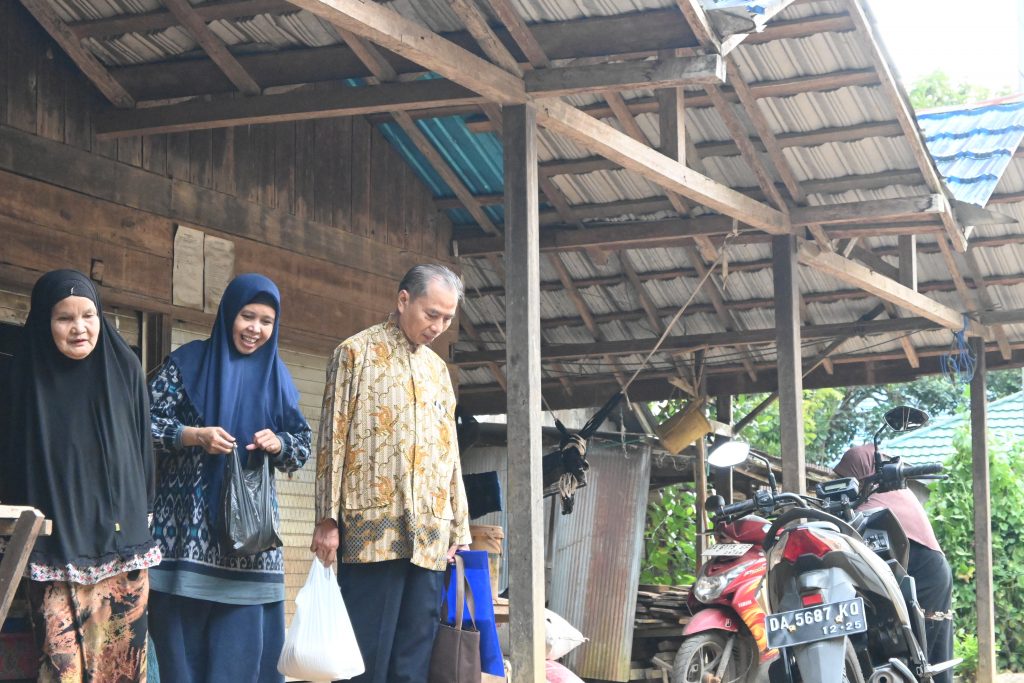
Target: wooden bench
[[23, 525]]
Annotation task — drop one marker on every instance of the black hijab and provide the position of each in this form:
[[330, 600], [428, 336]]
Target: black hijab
[[75, 439]]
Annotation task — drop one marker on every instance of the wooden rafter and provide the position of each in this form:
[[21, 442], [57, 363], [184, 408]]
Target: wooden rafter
[[326, 102], [411, 40], [855, 274], [486, 38], [786, 87], [83, 59], [656, 167], [521, 33], [213, 46], [686, 343], [632, 75]]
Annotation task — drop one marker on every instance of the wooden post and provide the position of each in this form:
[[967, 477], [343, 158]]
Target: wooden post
[[723, 413], [522, 313], [700, 485], [787, 335], [671, 123], [982, 521], [908, 261]]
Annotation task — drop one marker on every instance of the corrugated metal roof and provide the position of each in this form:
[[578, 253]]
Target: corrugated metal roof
[[973, 145], [934, 442]]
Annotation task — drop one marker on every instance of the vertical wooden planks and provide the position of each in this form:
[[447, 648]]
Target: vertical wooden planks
[[223, 160], [129, 151], [154, 154], [200, 158], [377, 194], [397, 194], [6, 26], [362, 134], [343, 177], [177, 156], [284, 166], [78, 94], [305, 148], [50, 92], [245, 160], [21, 76], [323, 199], [265, 166]]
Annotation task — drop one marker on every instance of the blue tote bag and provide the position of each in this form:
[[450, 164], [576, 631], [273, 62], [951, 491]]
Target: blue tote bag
[[479, 578]]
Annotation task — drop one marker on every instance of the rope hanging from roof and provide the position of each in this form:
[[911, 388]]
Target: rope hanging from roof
[[958, 364]]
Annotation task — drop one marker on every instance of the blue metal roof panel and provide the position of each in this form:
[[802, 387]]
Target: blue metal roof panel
[[973, 146]]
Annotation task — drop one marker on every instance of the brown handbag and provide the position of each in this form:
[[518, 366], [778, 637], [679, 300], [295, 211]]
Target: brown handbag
[[456, 654]]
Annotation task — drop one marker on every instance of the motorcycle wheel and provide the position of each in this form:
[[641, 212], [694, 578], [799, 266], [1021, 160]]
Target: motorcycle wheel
[[699, 656], [851, 668]]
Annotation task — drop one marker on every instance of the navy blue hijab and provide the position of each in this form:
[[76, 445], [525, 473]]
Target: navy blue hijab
[[241, 393]]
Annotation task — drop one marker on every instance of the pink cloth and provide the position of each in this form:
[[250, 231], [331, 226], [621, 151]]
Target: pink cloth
[[859, 462], [556, 673]]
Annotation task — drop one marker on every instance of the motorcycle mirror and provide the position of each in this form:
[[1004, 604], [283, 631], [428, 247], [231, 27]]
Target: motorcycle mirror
[[729, 454], [713, 503], [905, 419]]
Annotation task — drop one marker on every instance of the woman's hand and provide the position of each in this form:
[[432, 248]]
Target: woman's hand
[[265, 440], [213, 440]]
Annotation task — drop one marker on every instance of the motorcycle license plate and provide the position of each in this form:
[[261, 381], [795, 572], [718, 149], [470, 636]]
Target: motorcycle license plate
[[819, 622], [728, 550]]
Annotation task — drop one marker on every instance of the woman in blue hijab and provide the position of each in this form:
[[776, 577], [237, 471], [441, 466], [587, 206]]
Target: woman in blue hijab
[[215, 617]]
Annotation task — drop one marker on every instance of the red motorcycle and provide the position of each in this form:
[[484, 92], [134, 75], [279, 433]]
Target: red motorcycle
[[725, 641]]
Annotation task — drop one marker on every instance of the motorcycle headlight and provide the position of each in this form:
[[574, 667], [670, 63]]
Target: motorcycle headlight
[[708, 588]]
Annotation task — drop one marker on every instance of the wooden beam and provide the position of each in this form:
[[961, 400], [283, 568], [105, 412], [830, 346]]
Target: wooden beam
[[107, 84], [521, 33], [327, 102], [889, 290], [981, 484], [526, 533], [369, 55], [659, 169], [446, 172], [672, 123], [686, 343], [787, 329], [476, 23], [850, 371], [619, 76], [786, 87], [875, 210], [213, 46], [406, 38]]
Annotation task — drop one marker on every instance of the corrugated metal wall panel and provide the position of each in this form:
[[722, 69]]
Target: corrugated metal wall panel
[[596, 565]]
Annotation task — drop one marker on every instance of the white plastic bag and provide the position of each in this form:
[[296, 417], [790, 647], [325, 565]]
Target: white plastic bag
[[560, 637], [320, 644]]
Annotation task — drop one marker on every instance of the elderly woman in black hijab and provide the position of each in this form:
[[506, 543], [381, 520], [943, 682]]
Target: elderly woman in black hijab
[[76, 445]]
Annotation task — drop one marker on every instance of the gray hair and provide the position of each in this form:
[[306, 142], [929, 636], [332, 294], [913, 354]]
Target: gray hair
[[419, 278]]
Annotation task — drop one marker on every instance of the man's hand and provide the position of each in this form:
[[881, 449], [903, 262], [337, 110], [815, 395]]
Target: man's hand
[[325, 541], [454, 549]]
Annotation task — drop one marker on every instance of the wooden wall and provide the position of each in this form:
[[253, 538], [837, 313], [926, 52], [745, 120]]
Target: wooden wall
[[326, 208]]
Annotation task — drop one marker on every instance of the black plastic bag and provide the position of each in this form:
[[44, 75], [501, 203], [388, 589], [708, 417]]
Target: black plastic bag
[[247, 509]]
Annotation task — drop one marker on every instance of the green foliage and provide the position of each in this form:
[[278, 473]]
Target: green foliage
[[938, 90], [965, 647], [836, 419], [670, 539], [951, 510]]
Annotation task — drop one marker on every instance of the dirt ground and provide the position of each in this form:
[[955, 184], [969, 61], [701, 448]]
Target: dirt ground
[[1010, 678]]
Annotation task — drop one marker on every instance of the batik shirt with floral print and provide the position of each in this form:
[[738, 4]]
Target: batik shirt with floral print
[[388, 459]]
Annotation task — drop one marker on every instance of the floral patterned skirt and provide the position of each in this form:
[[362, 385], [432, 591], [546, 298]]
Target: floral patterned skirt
[[91, 634]]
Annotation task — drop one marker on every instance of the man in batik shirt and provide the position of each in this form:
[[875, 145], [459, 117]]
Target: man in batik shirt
[[388, 479]]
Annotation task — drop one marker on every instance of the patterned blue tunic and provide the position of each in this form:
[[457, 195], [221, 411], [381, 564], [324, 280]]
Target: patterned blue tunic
[[193, 566]]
